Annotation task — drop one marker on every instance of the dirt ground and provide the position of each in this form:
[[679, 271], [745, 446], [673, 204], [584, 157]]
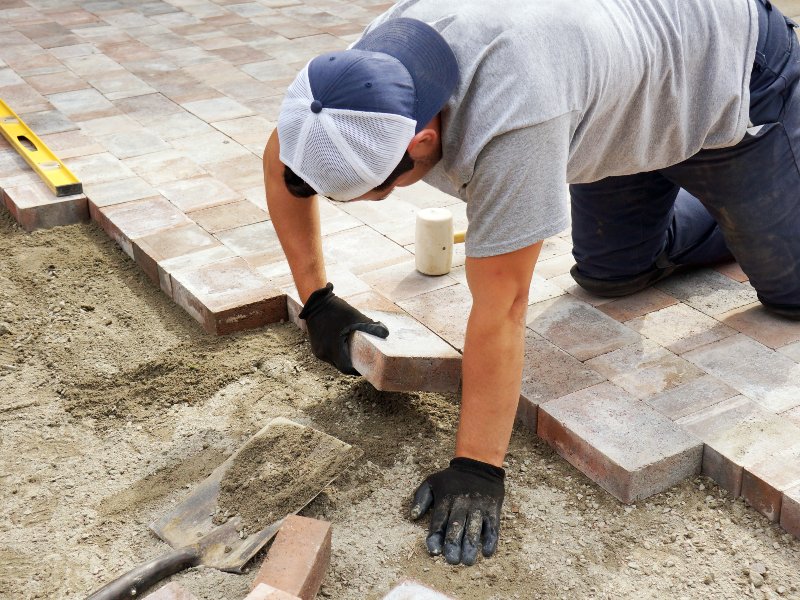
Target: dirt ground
[[113, 403]]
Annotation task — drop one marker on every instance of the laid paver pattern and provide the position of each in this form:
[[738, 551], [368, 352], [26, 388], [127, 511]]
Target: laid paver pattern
[[163, 107]]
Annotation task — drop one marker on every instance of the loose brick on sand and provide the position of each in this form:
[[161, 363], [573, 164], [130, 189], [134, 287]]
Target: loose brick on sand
[[298, 558]]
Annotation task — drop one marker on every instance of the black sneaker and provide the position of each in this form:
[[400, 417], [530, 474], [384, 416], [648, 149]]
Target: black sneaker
[[614, 288]]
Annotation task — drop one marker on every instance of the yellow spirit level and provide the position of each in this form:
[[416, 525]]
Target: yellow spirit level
[[53, 172]]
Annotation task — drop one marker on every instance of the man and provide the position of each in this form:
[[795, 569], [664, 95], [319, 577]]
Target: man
[[675, 122]]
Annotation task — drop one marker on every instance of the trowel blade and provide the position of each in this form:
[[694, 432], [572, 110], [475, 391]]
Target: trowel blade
[[191, 521]]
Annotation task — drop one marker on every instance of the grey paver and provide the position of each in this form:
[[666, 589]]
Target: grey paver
[[593, 429], [680, 328], [764, 375], [578, 328], [764, 482], [644, 369], [791, 350], [708, 291], [691, 397], [738, 434]]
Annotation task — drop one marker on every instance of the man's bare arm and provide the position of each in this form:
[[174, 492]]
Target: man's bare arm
[[296, 222], [493, 352]]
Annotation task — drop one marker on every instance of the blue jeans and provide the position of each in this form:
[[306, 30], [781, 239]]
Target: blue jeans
[[741, 202]]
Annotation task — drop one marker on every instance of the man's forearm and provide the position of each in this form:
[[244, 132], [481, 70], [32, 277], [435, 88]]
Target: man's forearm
[[492, 372], [296, 221]]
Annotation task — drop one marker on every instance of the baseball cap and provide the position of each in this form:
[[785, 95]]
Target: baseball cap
[[349, 116]]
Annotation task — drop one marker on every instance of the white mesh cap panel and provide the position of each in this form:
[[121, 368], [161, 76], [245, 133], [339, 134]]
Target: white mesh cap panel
[[340, 153]]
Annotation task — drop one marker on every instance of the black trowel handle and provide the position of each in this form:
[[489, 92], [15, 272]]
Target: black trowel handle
[[134, 582]]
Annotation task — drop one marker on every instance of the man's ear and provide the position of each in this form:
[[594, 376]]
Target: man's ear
[[422, 144]]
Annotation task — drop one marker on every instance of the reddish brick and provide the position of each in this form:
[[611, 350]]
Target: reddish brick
[[228, 216], [764, 482], [298, 558], [150, 250], [171, 591], [738, 433], [130, 220], [189, 261], [411, 590], [197, 193], [401, 281], [34, 206], [549, 373], [593, 429], [756, 322], [732, 270], [227, 296], [444, 311], [636, 305], [266, 592], [257, 243], [790, 511]]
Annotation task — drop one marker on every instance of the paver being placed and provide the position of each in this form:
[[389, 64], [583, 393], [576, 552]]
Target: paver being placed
[[622, 444], [411, 358], [298, 558]]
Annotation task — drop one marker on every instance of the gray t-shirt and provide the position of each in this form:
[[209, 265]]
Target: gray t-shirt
[[572, 91]]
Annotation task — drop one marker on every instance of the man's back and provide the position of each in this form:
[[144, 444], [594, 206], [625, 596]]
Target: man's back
[[636, 84]]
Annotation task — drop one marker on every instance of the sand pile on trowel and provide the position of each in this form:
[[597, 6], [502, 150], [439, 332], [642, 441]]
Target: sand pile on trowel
[[278, 472]]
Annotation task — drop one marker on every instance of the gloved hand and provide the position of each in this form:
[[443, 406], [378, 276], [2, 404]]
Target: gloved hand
[[330, 320], [466, 499]]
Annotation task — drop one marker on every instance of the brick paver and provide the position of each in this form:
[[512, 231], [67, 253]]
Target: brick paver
[[624, 445], [163, 109], [298, 558]]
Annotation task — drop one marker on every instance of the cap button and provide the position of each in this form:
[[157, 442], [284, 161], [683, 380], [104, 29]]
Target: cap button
[[316, 106]]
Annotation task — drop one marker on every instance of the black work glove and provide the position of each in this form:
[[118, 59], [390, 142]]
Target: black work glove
[[466, 499], [330, 320]]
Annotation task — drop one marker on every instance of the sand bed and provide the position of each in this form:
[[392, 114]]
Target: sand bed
[[113, 404]]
